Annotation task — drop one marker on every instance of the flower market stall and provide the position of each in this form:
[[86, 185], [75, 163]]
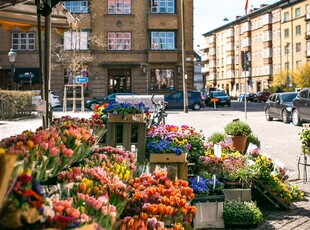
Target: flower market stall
[[67, 177]]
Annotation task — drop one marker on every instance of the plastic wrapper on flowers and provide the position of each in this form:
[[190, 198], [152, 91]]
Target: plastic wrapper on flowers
[[100, 188], [25, 203], [157, 196], [96, 126]]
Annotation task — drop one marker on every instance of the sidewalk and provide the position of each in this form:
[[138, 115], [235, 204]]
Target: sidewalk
[[297, 217]]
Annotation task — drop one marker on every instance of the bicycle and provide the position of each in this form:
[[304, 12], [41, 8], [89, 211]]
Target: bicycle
[[159, 115]]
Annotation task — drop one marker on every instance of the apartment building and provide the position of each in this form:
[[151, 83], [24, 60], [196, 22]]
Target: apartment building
[[274, 38], [117, 46]]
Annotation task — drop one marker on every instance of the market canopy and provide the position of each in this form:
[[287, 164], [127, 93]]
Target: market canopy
[[23, 14]]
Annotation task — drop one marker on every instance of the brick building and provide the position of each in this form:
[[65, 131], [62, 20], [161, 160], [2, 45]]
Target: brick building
[[275, 38], [120, 46]]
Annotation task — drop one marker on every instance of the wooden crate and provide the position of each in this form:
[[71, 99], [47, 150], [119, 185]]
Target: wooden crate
[[126, 118], [111, 137], [177, 165]]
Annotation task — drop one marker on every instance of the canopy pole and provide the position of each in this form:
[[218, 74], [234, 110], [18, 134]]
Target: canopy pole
[[47, 65]]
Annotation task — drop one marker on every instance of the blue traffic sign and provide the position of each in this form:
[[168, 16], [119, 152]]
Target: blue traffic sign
[[81, 79]]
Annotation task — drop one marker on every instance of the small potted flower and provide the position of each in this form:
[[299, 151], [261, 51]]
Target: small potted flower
[[126, 112], [304, 137], [238, 132], [241, 214]]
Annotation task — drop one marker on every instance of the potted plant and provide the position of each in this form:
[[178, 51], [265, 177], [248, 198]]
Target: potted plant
[[304, 137], [238, 213], [238, 132]]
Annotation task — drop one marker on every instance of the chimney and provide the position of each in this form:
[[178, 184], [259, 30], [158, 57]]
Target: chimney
[[262, 5], [237, 17]]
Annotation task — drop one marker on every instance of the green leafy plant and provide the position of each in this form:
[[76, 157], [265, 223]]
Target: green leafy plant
[[252, 139], [216, 137], [237, 128], [241, 212], [304, 137]]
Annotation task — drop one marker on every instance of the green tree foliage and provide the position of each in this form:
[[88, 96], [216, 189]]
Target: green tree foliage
[[303, 76]]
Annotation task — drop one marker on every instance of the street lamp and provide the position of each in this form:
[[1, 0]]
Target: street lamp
[[287, 64], [12, 56]]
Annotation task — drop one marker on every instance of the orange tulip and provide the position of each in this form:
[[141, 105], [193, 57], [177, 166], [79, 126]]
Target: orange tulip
[[30, 144], [144, 216]]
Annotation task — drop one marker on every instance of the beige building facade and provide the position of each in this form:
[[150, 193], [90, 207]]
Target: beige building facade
[[117, 46], [274, 38]]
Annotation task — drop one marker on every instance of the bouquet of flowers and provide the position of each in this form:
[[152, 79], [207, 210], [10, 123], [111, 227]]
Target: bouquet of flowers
[[25, 203], [157, 196]]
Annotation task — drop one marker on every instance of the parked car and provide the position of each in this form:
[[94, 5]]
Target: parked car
[[301, 107], [54, 100], [90, 104], [261, 96], [249, 97], [223, 98], [175, 100], [279, 106]]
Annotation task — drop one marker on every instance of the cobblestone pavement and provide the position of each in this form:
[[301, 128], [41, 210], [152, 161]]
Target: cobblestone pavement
[[298, 215]]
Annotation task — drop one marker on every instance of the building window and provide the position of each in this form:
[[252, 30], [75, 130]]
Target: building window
[[286, 33], [298, 47], [76, 40], [162, 6], [298, 30], [119, 41], [297, 12], [119, 6], [77, 7], [23, 41], [287, 49], [161, 40], [162, 79], [286, 17]]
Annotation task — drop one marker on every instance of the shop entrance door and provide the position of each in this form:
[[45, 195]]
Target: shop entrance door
[[119, 81]]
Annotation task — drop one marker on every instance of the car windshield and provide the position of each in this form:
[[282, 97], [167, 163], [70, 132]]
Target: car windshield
[[215, 94], [288, 97]]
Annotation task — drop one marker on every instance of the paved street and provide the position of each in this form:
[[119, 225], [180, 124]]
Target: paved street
[[278, 140]]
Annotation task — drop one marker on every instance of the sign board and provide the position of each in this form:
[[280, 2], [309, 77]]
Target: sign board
[[81, 79], [214, 99], [146, 99]]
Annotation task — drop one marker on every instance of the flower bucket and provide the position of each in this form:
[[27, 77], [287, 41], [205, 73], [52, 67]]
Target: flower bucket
[[238, 143], [140, 118]]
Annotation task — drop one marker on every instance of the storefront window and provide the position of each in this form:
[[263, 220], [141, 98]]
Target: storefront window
[[162, 79]]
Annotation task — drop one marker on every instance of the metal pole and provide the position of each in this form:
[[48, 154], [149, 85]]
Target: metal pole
[[183, 60], [245, 69], [12, 75]]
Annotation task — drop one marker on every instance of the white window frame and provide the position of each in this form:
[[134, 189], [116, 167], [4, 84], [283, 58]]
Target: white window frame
[[119, 6], [76, 40], [77, 7], [119, 41], [163, 40], [23, 41], [162, 6]]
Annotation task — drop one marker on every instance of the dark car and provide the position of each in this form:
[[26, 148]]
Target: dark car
[[261, 96], [176, 100], [90, 104], [249, 97], [279, 106], [301, 107], [221, 97]]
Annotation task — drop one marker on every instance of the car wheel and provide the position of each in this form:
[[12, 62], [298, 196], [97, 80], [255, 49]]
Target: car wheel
[[285, 117], [295, 118], [267, 115], [196, 106], [93, 105]]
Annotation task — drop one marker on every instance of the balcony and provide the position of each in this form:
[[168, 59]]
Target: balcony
[[266, 19], [307, 18], [308, 35], [205, 70]]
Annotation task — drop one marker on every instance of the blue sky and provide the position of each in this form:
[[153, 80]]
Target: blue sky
[[209, 14]]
